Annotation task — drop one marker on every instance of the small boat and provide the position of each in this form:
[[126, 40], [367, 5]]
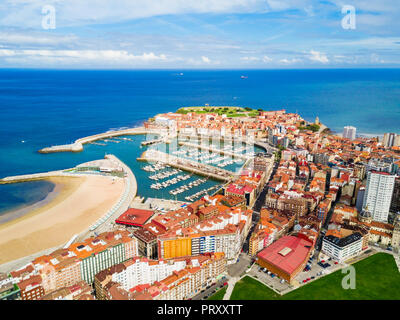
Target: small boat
[[243, 77]]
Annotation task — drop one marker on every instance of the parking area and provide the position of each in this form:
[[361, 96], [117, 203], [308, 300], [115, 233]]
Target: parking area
[[317, 269], [270, 280], [314, 270]]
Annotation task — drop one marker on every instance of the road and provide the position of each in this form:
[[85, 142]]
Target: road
[[211, 290]]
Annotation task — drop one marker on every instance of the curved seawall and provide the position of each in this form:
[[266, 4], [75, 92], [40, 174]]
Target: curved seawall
[[77, 146]]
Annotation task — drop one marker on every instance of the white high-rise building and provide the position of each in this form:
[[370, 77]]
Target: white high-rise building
[[391, 140], [349, 132], [378, 194]]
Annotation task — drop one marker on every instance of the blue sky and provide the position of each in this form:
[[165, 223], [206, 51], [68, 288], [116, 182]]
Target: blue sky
[[204, 34]]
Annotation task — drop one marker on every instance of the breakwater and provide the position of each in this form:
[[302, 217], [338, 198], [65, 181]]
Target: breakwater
[[77, 146]]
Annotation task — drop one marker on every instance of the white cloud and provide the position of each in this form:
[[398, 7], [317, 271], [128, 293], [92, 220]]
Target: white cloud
[[249, 58], [18, 38], [289, 61], [318, 57], [205, 59], [267, 59], [81, 56], [78, 12]]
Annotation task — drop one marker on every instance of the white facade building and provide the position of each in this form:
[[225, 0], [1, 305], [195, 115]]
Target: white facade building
[[342, 249], [378, 195], [143, 271], [349, 132]]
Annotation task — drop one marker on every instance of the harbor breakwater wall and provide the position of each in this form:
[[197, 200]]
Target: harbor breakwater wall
[[77, 146]]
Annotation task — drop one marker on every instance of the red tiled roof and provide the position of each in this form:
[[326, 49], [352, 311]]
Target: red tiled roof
[[292, 260], [135, 217]]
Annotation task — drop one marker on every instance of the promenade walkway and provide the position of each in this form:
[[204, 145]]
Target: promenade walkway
[[231, 286], [104, 223]]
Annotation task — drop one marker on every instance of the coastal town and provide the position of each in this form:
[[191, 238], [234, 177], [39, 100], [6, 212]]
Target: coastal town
[[294, 203]]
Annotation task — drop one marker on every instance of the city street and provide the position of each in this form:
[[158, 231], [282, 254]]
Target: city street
[[211, 290], [236, 269]]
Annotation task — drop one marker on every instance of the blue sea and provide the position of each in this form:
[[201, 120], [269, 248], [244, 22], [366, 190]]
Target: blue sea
[[41, 108]]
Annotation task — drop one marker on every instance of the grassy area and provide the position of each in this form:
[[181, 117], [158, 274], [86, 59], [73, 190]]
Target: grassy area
[[377, 278], [219, 295], [229, 111]]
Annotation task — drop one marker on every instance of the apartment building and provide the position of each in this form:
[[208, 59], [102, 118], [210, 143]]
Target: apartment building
[[378, 195], [185, 282], [342, 248]]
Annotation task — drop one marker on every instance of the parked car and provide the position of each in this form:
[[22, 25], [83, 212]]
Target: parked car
[[225, 283], [312, 277], [336, 262]]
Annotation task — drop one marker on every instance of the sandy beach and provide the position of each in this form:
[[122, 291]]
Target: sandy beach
[[76, 204]]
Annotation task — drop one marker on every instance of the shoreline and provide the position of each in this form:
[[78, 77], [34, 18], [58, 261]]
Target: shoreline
[[77, 204], [21, 210], [61, 191]]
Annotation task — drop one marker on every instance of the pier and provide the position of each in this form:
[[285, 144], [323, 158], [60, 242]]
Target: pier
[[262, 144], [34, 176], [219, 151], [146, 143], [188, 165], [77, 146]]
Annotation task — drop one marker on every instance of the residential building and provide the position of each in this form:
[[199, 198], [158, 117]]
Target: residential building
[[349, 132], [378, 195], [341, 248]]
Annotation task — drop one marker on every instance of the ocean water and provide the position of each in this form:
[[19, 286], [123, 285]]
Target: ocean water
[[14, 196], [40, 108]]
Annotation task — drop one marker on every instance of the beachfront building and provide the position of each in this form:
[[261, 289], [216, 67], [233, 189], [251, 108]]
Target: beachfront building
[[378, 194], [68, 266], [31, 288], [104, 251], [8, 290]]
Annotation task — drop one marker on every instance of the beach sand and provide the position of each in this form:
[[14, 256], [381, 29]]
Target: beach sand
[[79, 202]]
